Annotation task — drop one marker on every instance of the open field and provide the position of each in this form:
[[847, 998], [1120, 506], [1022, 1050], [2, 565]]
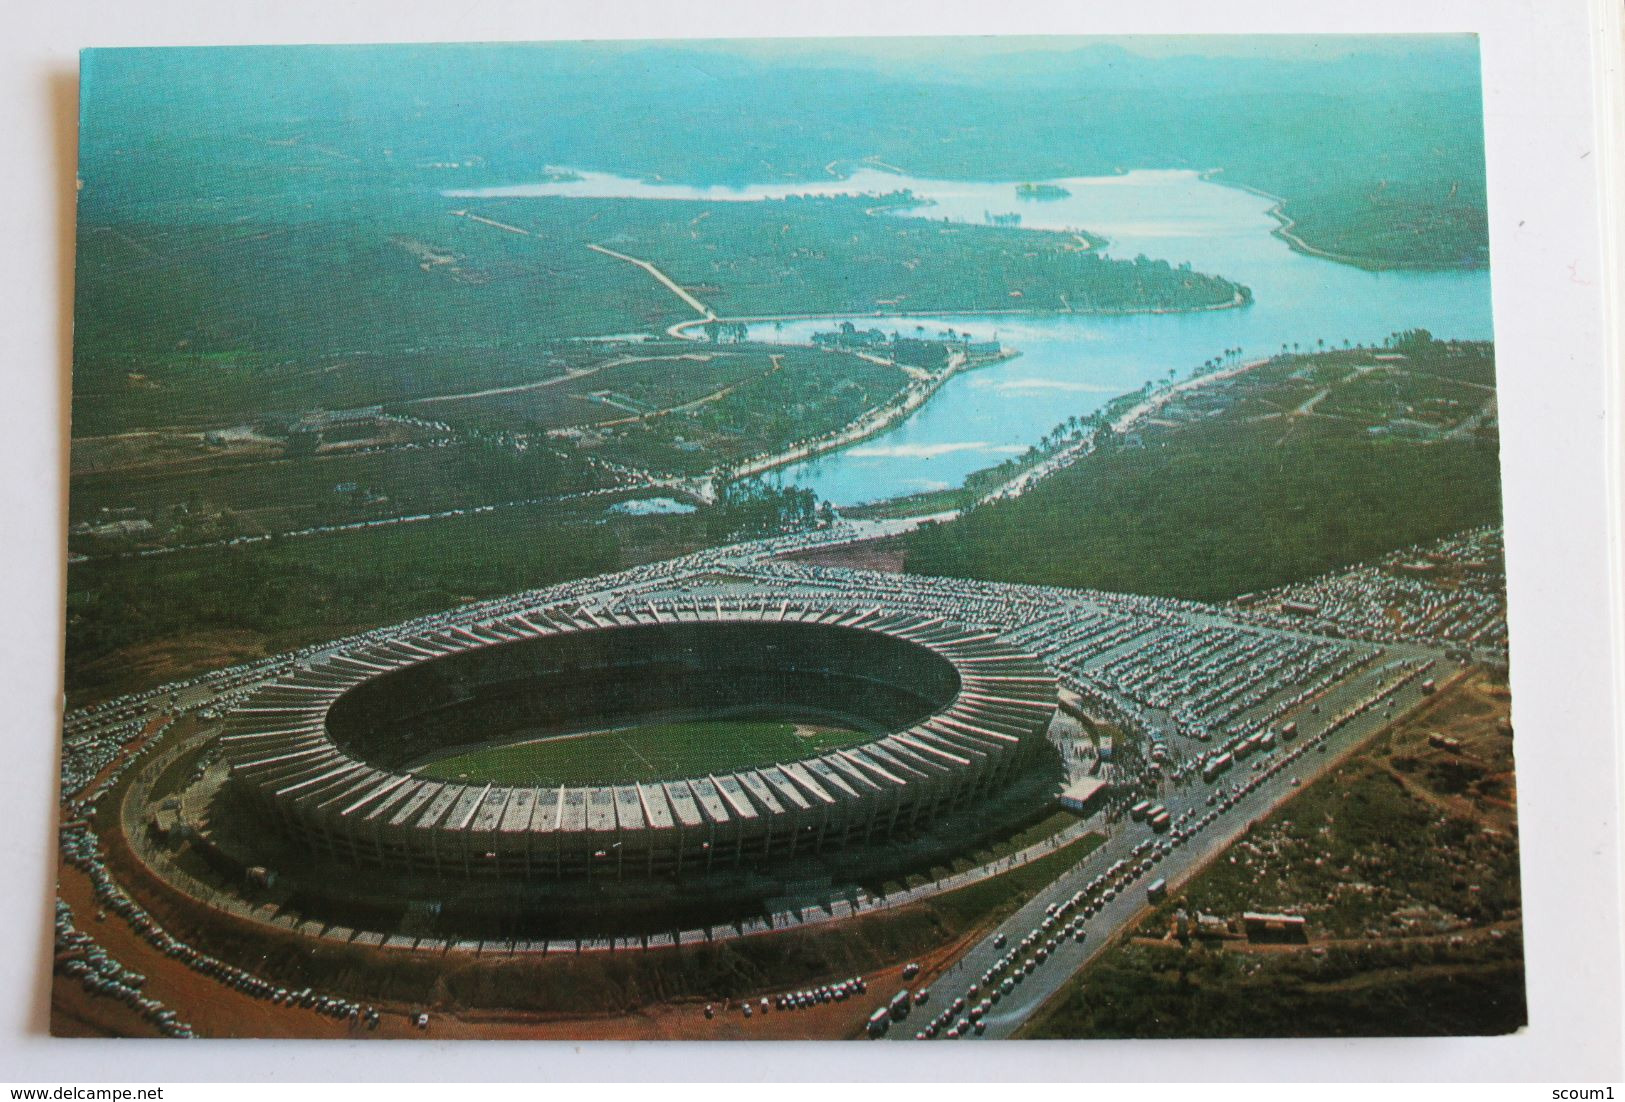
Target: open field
[[653, 752], [671, 406], [794, 394], [635, 380], [122, 387], [288, 493], [1404, 861]]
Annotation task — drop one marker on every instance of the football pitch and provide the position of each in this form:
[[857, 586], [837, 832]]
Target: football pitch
[[654, 752]]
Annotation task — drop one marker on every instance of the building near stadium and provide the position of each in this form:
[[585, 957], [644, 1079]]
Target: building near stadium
[[947, 716]]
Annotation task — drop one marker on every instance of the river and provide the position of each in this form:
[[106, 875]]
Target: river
[[1073, 364]]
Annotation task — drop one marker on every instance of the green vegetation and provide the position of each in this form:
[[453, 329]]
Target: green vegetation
[[1041, 191], [630, 381], [1410, 892], [1256, 496], [213, 324], [249, 256], [668, 406], [913, 505], [1438, 873], [287, 593], [793, 395], [214, 495], [1381, 990], [134, 622], [209, 323], [800, 256], [656, 752], [1378, 149]]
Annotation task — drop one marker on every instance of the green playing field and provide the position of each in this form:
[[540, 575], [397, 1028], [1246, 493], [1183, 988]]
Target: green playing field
[[657, 752]]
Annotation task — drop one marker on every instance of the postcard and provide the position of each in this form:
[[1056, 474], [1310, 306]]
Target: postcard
[[924, 540]]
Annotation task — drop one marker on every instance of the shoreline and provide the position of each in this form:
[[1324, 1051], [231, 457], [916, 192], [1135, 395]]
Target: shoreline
[[679, 330], [1150, 404], [873, 423], [1285, 225]]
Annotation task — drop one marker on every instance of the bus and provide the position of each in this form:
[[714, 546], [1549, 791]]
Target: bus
[[1215, 765]]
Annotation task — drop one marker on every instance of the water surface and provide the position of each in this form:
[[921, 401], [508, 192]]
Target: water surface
[[1072, 364]]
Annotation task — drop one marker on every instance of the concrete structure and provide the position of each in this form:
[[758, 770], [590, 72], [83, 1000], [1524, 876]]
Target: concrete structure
[[325, 754], [1262, 927], [1084, 795]]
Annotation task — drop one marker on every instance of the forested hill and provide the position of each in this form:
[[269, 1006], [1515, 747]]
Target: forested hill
[[1377, 148], [1298, 467]]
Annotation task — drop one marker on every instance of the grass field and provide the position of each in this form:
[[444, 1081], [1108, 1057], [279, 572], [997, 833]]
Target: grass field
[[655, 752]]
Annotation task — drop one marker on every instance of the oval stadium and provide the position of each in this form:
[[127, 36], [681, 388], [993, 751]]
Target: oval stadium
[[685, 738]]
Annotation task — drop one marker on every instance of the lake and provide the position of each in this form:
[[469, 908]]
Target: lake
[[1073, 364]]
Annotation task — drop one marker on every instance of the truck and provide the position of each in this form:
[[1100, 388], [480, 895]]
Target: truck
[[1161, 822], [1289, 732], [1140, 811], [1156, 891], [900, 1002], [1429, 687], [879, 1023]]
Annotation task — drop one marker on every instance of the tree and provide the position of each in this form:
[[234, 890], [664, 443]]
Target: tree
[[1410, 340]]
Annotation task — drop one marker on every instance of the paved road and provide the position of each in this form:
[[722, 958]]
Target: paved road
[[1301, 759], [666, 281], [1192, 844]]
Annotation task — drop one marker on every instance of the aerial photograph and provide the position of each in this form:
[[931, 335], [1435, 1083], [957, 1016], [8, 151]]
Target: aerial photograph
[[885, 539]]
